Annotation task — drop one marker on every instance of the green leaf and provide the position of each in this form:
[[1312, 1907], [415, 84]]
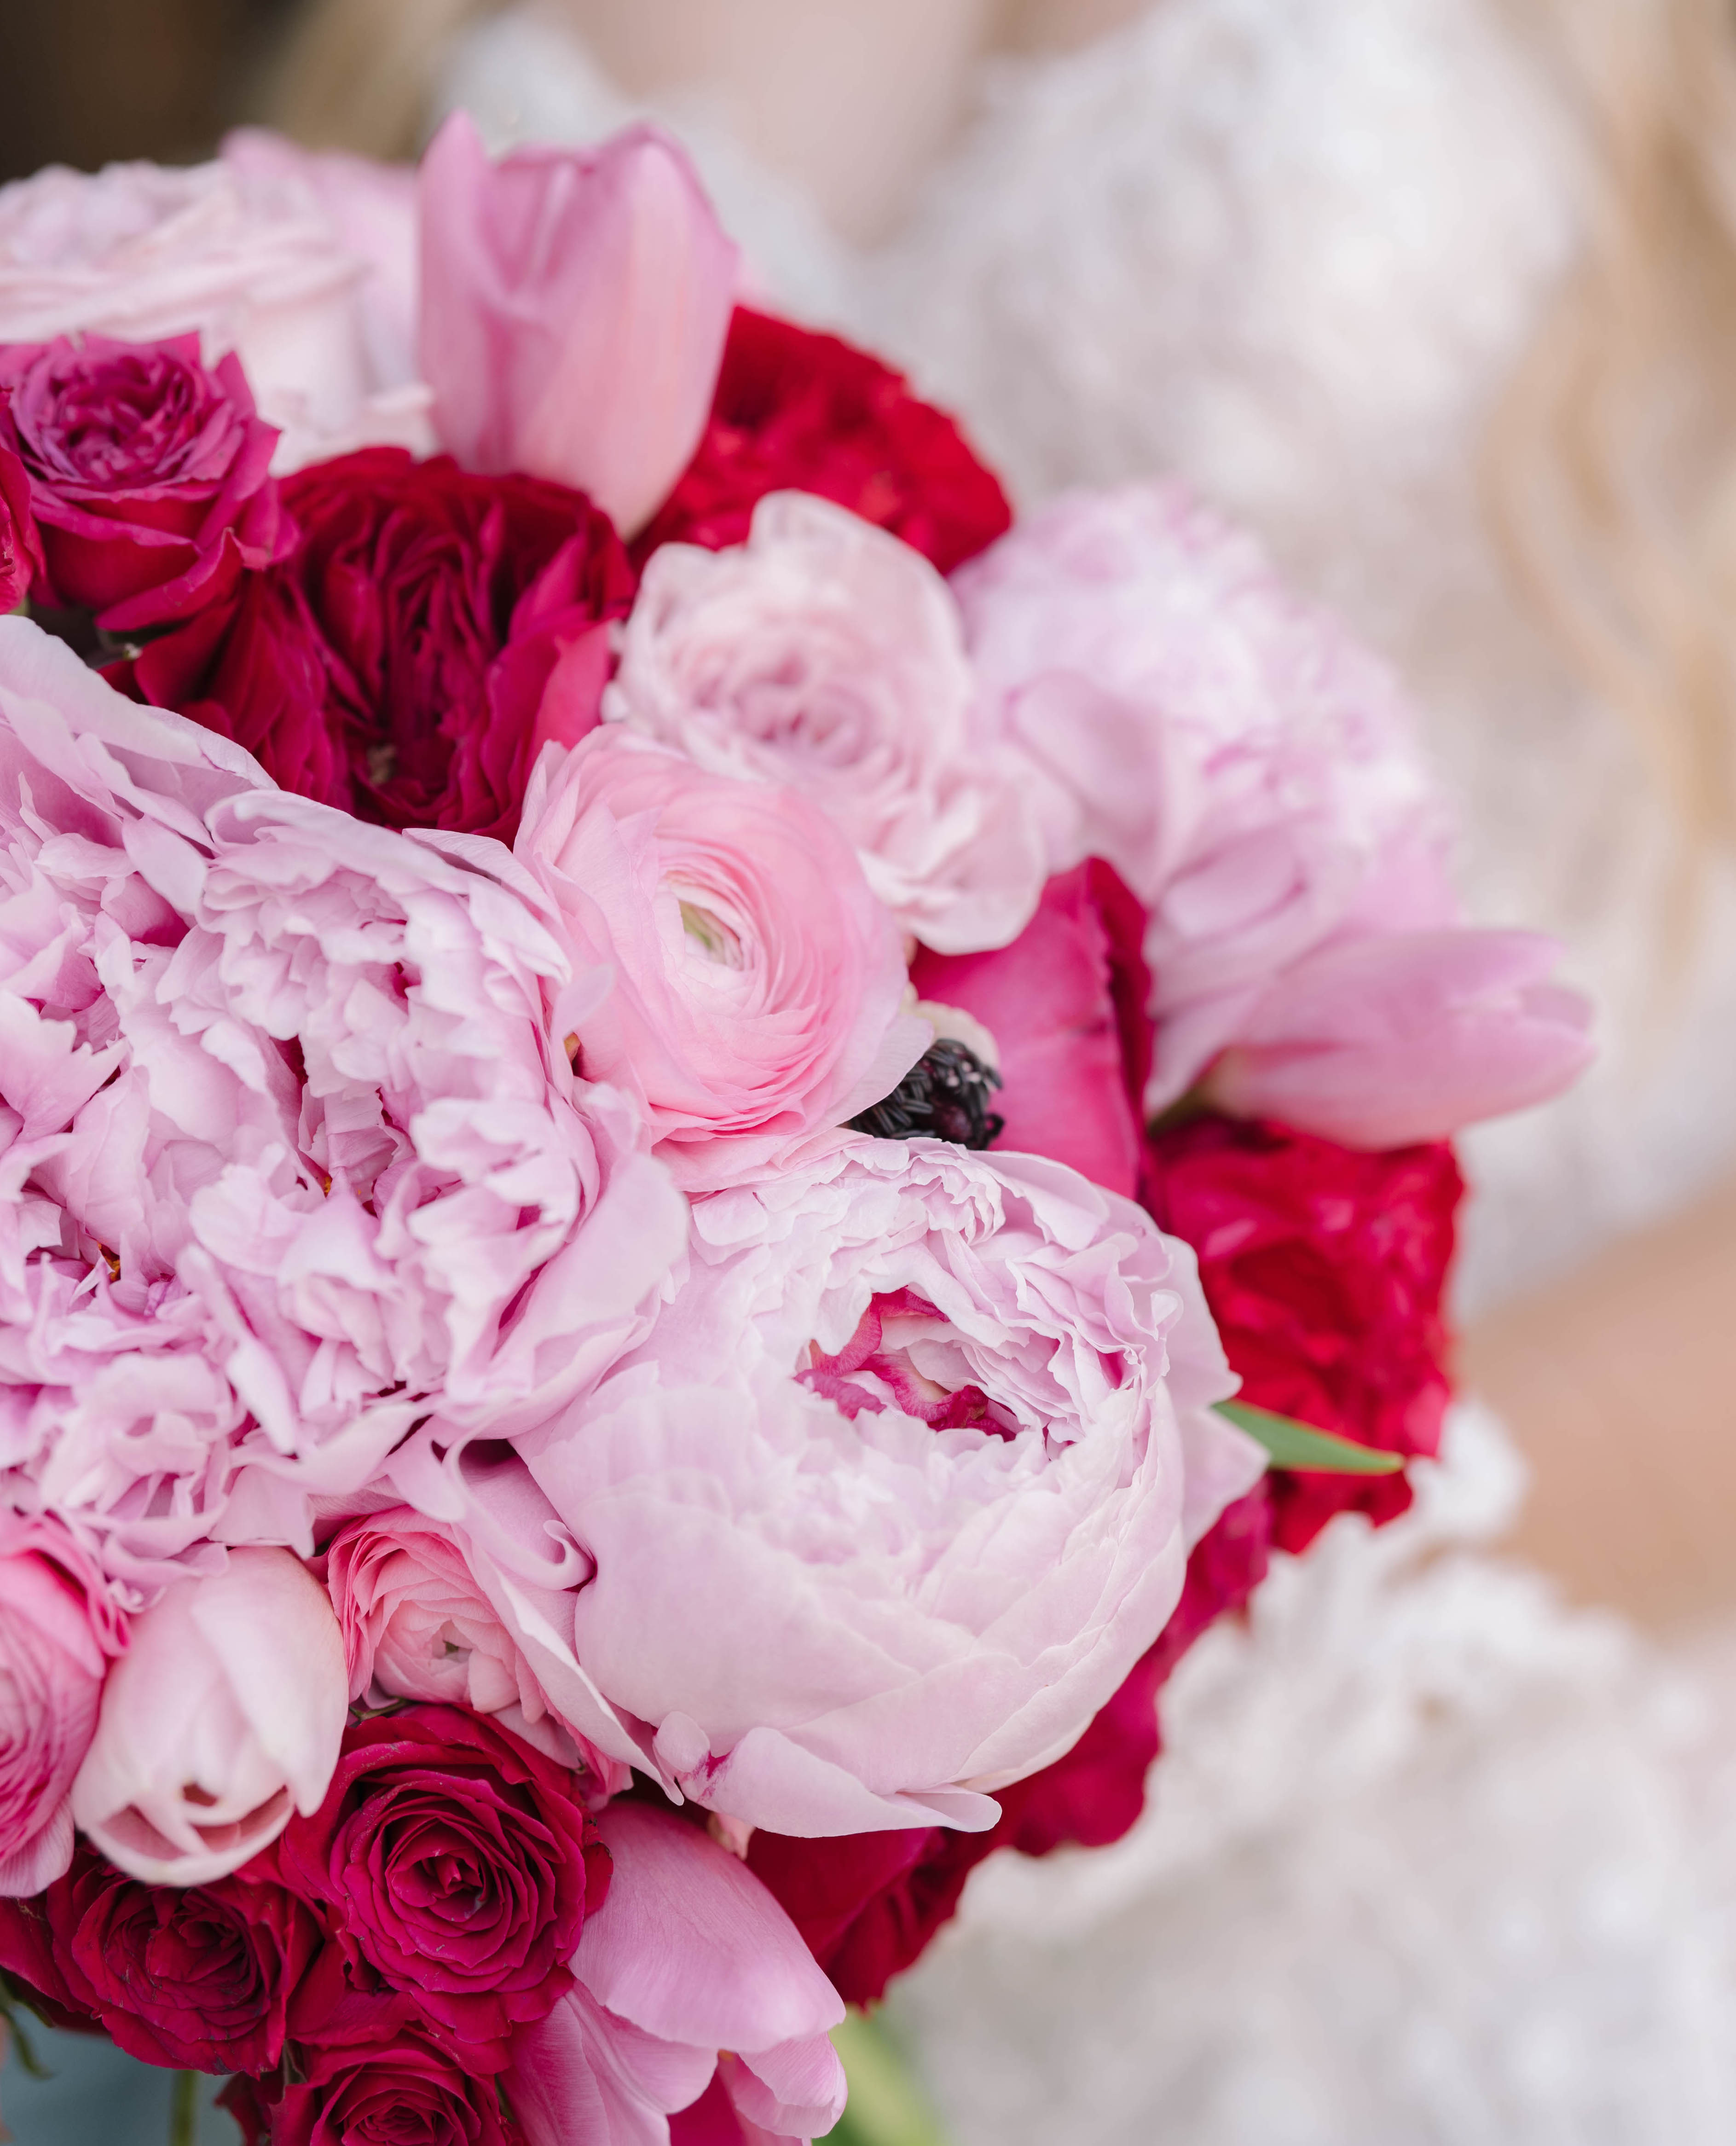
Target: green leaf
[[12, 2002], [1298, 1445], [885, 2108]]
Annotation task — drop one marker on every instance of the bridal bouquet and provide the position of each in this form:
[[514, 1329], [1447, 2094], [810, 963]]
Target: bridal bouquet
[[699, 1146]]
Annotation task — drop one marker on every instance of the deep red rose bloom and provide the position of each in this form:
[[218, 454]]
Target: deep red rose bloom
[[431, 631], [1325, 1269], [868, 1903], [452, 1862], [197, 1976], [799, 412], [410, 2094], [1066, 1005], [149, 474], [21, 551]]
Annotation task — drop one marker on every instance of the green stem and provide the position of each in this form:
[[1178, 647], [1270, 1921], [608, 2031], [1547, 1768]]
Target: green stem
[[184, 2109]]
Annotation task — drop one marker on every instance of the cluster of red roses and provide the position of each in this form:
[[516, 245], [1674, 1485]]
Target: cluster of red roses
[[378, 1955], [401, 638]]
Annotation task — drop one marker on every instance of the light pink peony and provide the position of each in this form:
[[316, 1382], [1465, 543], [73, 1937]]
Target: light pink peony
[[248, 252], [294, 1167], [690, 1980], [574, 310], [826, 654], [59, 1625], [757, 981], [899, 1490], [224, 1715]]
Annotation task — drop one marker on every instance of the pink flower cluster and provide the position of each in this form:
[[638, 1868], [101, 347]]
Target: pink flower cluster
[[553, 1496]]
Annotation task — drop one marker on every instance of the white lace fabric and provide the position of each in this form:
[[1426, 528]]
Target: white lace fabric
[[1428, 1859]]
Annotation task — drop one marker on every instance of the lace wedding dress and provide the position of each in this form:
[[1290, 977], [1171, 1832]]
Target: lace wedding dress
[[1429, 1858]]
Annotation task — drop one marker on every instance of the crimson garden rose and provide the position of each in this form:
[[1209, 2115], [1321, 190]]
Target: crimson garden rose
[[452, 1863], [197, 1976], [1324, 1268], [410, 2094], [799, 412], [431, 631], [149, 474], [21, 556]]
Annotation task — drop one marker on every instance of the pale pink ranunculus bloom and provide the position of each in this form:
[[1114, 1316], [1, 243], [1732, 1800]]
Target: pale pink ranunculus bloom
[[758, 982], [690, 1978], [59, 1627], [247, 252], [224, 1716], [295, 1166], [901, 1487], [574, 308], [826, 654]]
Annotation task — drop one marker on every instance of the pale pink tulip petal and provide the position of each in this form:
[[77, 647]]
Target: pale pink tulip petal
[[796, 2090], [574, 308]]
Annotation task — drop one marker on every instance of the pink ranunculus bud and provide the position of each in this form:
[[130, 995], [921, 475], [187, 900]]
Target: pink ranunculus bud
[[574, 308], [59, 1624], [692, 1983], [224, 1716], [1377, 1042]]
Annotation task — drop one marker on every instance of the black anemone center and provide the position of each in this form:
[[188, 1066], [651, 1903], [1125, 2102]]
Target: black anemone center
[[944, 1096]]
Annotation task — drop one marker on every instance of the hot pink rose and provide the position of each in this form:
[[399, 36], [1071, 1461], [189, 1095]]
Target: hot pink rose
[[899, 1488], [221, 1719], [758, 982], [21, 550], [690, 1978], [824, 654], [148, 475], [574, 309], [59, 1626], [247, 252]]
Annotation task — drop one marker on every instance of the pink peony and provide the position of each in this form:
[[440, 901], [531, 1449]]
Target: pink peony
[[824, 654], [690, 1980], [574, 310], [294, 1167], [757, 981], [248, 253], [59, 1625], [222, 1718], [148, 475], [899, 1490]]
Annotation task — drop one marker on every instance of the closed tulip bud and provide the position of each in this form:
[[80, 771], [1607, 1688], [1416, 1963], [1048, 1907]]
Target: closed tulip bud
[[224, 1716]]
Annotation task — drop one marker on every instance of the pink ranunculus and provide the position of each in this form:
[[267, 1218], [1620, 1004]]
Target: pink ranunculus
[[1379, 1042], [251, 258], [59, 1627], [1246, 768], [899, 1488], [690, 1978], [758, 982], [824, 654], [222, 1718], [296, 1198], [148, 474], [574, 309]]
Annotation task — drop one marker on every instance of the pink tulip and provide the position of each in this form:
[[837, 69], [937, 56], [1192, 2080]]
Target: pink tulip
[[691, 1981], [225, 1713], [573, 307], [1379, 1041]]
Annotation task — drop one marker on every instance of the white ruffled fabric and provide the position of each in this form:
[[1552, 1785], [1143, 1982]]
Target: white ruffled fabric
[[1430, 1859]]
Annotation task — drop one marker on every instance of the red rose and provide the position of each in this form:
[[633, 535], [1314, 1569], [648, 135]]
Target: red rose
[[1066, 1005], [868, 1903], [452, 1863], [798, 412], [149, 474], [1324, 1267], [199, 1976], [430, 630], [408, 2095], [21, 552]]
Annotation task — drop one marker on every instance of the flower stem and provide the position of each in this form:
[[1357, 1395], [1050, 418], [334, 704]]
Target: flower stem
[[184, 2109]]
